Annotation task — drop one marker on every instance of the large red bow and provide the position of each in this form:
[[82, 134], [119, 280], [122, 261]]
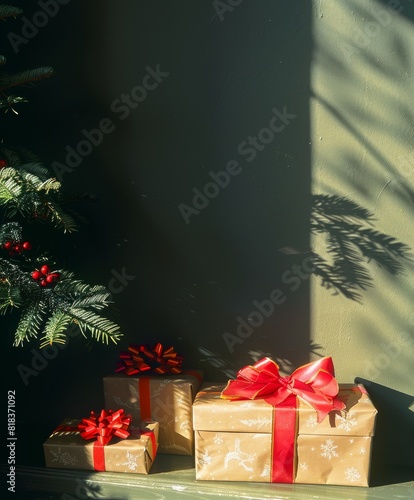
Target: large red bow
[[105, 426], [314, 383], [141, 358]]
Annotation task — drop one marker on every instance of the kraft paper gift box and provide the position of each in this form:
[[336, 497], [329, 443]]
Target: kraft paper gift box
[[166, 399], [66, 449], [234, 440]]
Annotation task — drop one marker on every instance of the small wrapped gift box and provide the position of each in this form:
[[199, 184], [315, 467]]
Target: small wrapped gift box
[[91, 444], [275, 434], [149, 389]]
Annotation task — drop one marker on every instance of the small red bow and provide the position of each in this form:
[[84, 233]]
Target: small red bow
[[106, 426], [314, 383], [142, 358]]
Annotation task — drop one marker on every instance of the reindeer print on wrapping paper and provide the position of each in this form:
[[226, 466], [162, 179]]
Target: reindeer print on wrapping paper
[[243, 458]]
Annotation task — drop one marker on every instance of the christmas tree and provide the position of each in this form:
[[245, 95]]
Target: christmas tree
[[46, 298]]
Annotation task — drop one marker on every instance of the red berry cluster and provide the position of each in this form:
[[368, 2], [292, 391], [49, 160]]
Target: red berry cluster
[[16, 247], [3, 164], [45, 277]]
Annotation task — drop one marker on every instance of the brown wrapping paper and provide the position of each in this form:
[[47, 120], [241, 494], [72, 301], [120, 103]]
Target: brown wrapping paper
[[68, 450], [233, 439], [171, 399]]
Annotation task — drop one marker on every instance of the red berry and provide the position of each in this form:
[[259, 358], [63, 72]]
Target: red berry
[[7, 245], [50, 278], [18, 248], [3, 163], [45, 269], [36, 275], [27, 245], [43, 283]]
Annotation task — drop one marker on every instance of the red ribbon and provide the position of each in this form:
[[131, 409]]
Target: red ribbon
[[141, 358], [314, 382], [104, 427]]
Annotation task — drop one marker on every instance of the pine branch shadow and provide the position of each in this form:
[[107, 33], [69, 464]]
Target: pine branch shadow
[[352, 243]]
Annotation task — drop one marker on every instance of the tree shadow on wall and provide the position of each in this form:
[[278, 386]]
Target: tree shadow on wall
[[352, 243]]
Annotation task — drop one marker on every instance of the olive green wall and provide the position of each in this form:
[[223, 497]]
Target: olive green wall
[[321, 118], [362, 147]]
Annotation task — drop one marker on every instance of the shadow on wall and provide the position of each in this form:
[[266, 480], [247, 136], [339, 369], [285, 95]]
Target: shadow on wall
[[352, 242], [352, 246], [392, 442]]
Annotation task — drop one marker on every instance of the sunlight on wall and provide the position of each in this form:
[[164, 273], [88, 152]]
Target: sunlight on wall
[[362, 111]]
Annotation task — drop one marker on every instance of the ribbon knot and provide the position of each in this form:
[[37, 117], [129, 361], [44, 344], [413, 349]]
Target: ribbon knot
[[105, 426], [314, 382], [142, 358]]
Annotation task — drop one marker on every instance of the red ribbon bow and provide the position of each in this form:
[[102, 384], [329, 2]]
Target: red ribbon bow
[[314, 382], [142, 358], [105, 426]]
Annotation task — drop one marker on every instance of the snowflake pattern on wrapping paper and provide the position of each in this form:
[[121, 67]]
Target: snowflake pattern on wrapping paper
[[205, 459], [304, 466], [64, 458], [347, 422], [131, 461], [352, 474], [247, 404], [329, 449], [218, 439], [311, 422], [257, 422], [362, 451], [245, 460]]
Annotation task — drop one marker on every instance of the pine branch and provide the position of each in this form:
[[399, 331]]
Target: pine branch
[[55, 328], [102, 329], [24, 77], [9, 101], [9, 297], [10, 186], [36, 169], [61, 218], [7, 11], [11, 231], [30, 322]]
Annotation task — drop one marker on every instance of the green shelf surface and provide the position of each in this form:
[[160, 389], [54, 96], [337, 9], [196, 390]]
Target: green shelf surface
[[173, 477]]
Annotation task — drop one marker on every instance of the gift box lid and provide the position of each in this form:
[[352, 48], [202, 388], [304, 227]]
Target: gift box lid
[[213, 413], [67, 434]]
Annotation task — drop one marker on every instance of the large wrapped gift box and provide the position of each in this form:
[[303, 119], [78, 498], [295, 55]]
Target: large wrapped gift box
[[233, 439], [166, 399], [67, 449]]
